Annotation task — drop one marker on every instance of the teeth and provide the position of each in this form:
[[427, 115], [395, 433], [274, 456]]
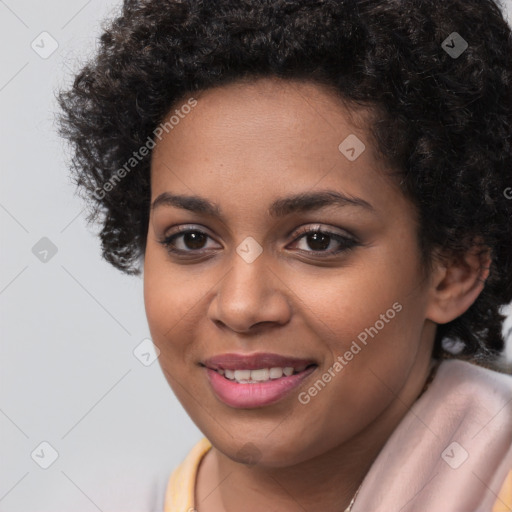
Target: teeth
[[242, 374], [259, 375], [276, 373]]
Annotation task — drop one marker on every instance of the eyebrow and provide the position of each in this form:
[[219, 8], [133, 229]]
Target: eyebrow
[[304, 202]]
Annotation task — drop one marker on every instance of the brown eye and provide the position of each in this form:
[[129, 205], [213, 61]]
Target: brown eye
[[186, 241], [194, 239], [317, 241]]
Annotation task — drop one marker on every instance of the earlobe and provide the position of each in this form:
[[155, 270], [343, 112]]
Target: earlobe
[[456, 283]]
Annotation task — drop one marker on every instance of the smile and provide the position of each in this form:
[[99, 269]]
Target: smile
[[258, 380], [259, 375]]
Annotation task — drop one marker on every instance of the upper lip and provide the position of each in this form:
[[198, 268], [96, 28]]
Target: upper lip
[[233, 361]]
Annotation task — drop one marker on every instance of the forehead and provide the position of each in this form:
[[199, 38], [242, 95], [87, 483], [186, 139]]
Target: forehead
[[267, 138], [249, 110]]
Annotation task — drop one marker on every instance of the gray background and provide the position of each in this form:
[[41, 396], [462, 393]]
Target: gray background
[[70, 324]]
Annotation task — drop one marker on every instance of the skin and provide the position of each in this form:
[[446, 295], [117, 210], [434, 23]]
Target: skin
[[243, 146]]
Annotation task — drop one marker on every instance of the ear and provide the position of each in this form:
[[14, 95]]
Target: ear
[[456, 282]]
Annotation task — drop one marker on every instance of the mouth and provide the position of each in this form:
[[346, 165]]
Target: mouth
[[243, 381], [260, 374]]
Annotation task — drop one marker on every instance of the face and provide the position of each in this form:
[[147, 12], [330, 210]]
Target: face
[[295, 252]]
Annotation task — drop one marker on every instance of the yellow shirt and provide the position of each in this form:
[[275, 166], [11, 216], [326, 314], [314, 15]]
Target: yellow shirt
[[179, 496]]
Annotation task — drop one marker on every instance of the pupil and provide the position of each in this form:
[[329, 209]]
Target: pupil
[[316, 238], [194, 240]]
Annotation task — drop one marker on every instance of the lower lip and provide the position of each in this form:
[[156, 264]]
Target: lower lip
[[250, 396]]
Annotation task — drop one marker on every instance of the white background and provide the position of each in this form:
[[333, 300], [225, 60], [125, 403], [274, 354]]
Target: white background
[[69, 326]]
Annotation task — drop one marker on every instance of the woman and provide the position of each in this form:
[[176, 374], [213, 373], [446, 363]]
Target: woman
[[317, 194]]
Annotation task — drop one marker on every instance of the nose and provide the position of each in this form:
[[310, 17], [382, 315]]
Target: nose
[[249, 296]]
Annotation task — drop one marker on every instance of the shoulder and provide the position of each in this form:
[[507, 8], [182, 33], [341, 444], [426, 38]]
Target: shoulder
[[179, 494], [454, 443], [474, 396], [462, 380]]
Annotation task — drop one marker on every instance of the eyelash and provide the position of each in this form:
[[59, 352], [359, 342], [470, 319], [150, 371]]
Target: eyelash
[[345, 242]]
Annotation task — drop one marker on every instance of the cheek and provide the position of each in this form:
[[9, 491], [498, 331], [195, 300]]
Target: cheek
[[372, 316], [344, 302], [169, 302], [170, 292], [175, 301]]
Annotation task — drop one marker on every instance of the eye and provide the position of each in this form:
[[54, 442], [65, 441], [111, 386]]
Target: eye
[[186, 240], [320, 240]]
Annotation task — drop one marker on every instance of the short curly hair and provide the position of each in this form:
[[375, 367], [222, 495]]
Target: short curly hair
[[442, 121]]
